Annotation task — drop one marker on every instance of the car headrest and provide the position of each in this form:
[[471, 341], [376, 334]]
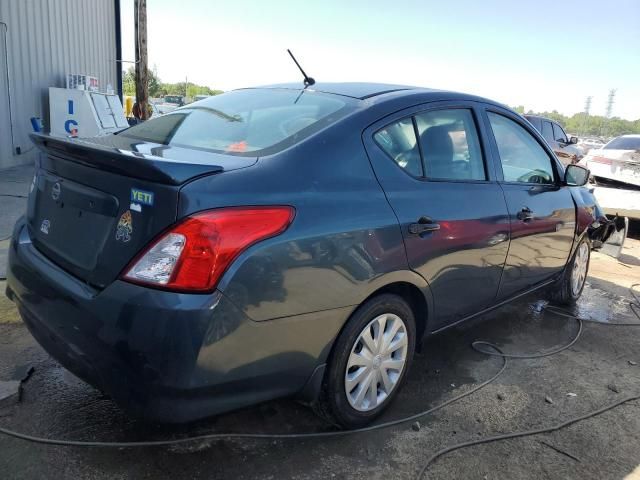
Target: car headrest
[[437, 145]]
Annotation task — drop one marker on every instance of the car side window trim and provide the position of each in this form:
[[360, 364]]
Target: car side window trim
[[557, 173], [414, 111]]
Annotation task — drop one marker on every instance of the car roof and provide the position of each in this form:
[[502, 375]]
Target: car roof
[[359, 90], [540, 117]]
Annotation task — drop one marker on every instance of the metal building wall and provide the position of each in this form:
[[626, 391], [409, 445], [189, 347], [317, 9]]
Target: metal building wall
[[46, 39]]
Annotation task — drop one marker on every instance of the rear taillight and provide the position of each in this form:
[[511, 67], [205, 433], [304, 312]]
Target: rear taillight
[[194, 254]]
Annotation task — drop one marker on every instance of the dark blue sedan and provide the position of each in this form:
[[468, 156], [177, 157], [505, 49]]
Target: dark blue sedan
[[288, 241]]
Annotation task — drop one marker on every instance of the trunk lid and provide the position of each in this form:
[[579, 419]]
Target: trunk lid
[[617, 165], [95, 204]]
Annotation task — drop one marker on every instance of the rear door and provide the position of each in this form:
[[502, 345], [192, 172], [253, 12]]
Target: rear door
[[541, 210], [432, 165]]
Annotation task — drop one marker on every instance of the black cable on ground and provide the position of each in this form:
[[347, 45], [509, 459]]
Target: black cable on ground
[[340, 433], [524, 433], [633, 306], [264, 436]]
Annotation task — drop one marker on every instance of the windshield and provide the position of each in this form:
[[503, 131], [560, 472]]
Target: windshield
[[245, 121], [173, 99], [623, 143]]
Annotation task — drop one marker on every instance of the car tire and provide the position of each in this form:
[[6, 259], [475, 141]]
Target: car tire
[[376, 346], [569, 287]]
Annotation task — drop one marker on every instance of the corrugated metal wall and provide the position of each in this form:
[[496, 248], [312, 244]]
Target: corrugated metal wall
[[46, 39]]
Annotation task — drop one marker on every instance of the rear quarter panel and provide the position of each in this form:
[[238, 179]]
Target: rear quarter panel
[[343, 243]]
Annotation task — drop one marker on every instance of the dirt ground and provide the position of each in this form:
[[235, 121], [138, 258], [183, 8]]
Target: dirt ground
[[602, 367]]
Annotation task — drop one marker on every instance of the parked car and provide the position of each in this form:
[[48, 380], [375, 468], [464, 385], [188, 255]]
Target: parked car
[[564, 147], [587, 144], [618, 161], [170, 103], [283, 241]]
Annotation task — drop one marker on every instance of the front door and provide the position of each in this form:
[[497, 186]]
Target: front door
[[454, 220], [541, 210]]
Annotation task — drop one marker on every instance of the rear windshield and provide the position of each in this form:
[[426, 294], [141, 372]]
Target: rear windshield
[[623, 143], [245, 122]]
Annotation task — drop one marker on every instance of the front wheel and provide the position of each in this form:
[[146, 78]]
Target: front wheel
[[569, 288], [370, 361]]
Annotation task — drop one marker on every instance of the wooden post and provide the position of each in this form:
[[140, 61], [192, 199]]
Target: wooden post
[[142, 68]]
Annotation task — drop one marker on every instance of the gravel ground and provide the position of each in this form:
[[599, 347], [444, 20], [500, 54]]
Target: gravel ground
[[602, 367]]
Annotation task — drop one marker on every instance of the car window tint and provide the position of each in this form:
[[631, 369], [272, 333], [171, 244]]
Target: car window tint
[[559, 134], [398, 140], [450, 145], [547, 132], [624, 143], [245, 122], [523, 158]]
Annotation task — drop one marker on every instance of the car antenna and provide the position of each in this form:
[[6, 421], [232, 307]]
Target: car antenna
[[308, 81]]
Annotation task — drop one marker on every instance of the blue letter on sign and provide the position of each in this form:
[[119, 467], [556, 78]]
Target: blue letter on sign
[[70, 104], [68, 123]]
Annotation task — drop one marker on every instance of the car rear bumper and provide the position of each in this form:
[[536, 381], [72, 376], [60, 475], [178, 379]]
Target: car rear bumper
[[165, 356]]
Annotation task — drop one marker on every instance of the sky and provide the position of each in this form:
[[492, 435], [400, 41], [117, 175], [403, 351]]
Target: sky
[[545, 55]]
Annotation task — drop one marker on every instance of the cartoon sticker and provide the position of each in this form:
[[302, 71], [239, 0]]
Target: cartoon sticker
[[125, 227], [141, 197], [44, 226]]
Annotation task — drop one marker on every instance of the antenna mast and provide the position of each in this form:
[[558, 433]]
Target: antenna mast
[[308, 81]]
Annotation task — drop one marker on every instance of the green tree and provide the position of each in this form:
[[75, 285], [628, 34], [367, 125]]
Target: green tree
[[129, 83]]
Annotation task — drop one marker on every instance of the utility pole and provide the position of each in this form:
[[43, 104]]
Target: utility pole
[[609, 109], [587, 108], [142, 67], [610, 102]]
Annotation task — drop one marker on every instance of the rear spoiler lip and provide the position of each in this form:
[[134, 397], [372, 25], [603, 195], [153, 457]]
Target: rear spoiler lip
[[123, 162]]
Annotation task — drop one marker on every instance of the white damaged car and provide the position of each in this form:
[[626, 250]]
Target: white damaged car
[[617, 161]]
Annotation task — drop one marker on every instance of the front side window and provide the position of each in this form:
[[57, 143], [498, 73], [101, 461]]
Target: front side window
[[398, 140], [523, 158], [547, 131], [245, 122], [559, 134], [450, 145]]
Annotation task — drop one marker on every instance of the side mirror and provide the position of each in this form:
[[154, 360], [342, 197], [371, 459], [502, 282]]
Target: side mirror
[[573, 140], [576, 176]]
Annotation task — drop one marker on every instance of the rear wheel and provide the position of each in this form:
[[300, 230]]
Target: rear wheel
[[569, 288], [370, 361]]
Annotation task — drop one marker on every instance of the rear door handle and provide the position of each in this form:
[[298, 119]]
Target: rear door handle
[[525, 214], [425, 224]]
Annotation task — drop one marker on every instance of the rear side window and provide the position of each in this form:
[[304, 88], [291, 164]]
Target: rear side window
[[450, 145], [439, 145], [523, 158], [245, 122], [398, 140]]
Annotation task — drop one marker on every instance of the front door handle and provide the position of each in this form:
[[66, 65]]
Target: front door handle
[[425, 224], [525, 214]]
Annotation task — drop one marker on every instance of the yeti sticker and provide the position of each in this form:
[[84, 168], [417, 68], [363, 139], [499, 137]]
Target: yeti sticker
[[125, 227]]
